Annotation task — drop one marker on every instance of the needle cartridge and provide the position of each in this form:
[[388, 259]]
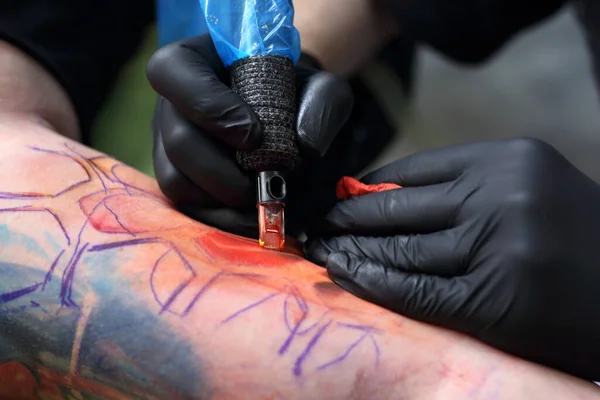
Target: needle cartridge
[[271, 197]]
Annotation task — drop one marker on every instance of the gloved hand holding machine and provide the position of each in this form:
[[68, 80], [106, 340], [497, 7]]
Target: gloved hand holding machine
[[257, 41]]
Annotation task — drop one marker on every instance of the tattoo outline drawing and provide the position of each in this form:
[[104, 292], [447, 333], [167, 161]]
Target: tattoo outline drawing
[[108, 207]]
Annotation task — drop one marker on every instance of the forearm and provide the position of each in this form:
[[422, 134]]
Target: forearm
[[106, 290], [78, 48], [343, 35], [27, 89]]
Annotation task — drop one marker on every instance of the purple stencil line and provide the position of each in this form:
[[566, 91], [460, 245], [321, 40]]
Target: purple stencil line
[[68, 275], [377, 351], [93, 167], [314, 324], [103, 203], [16, 196], [202, 290], [31, 209], [288, 341], [154, 267], [58, 153], [112, 171], [9, 195], [345, 354], [311, 344], [125, 243], [303, 306], [184, 260], [249, 307], [175, 293], [72, 149], [73, 186], [76, 184], [62, 228], [117, 219], [48, 277], [93, 161], [128, 186], [286, 320], [22, 196], [8, 297], [299, 299], [100, 203]]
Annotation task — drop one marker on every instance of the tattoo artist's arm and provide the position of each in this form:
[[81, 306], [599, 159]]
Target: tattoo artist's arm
[[28, 89], [343, 35]]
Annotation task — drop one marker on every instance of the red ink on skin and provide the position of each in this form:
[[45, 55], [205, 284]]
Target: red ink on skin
[[235, 250], [16, 381], [350, 187]]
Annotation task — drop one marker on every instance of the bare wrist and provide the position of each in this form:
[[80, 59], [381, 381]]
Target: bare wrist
[[28, 90], [343, 35]]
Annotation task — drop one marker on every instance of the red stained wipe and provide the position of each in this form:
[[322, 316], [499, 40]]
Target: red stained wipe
[[350, 187]]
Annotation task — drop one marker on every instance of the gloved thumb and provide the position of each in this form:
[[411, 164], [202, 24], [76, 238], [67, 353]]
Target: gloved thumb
[[421, 297]]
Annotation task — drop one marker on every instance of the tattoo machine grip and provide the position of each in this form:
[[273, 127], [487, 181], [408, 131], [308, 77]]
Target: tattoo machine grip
[[267, 84]]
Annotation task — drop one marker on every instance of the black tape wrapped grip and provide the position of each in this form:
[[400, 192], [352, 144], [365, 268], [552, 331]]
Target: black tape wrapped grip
[[268, 85]]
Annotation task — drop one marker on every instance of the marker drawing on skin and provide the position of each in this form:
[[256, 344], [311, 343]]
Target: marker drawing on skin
[[249, 307], [202, 290], [311, 344], [111, 216], [10, 296]]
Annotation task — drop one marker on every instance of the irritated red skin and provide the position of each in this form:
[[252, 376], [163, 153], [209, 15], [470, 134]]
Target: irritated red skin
[[348, 187]]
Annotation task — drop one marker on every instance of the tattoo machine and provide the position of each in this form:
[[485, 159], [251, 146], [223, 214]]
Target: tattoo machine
[[257, 41]]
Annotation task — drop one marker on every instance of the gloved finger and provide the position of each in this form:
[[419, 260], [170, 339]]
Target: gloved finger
[[174, 185], [186, 74], [325, 105], [408, 210], [206, 162], [428, 167], [421, 297], [436, 253], [227, 219]]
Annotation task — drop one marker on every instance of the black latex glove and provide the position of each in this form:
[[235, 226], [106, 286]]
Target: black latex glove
[[200, 123], [498, 240]]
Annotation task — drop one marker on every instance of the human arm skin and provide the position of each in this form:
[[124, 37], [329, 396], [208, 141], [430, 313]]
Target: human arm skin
[[81, 45], [27, 88], [346, 43], [107, 291]]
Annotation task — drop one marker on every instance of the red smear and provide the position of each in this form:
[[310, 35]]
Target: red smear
[[235, 250], [350, 187], [105, 221], [16, 381]]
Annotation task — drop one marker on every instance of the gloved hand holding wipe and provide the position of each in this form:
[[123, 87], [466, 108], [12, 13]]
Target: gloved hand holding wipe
[[495, 239]]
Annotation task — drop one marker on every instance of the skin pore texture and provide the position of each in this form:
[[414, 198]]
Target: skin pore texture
[[109, 293]]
